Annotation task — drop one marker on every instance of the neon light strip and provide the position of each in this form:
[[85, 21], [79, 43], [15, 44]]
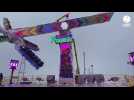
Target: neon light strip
[[61, 40], [131, 58]]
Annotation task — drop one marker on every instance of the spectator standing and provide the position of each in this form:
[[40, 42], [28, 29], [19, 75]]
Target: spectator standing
[[1, 78]]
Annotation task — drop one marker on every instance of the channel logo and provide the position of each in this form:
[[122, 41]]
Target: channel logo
[[126, 21]]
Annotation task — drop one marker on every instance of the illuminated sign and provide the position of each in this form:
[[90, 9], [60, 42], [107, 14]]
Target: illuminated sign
[[14, 64], [131, 58], [61, 40]]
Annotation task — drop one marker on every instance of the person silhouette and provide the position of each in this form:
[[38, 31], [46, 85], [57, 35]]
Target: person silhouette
[[1, 78]]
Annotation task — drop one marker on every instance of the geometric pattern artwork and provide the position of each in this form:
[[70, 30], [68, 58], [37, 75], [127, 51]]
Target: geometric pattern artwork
[[66, 66], [56, 26]]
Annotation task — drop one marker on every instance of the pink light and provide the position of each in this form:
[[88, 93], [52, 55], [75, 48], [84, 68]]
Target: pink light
[[14, 64], [65, 46], [131, 59], [19, 33], [106, 18]]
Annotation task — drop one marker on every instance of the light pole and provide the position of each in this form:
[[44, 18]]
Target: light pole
[[77, 69], [84, 63], [92, 72], [21, 72], [89, 71], [13, 65]]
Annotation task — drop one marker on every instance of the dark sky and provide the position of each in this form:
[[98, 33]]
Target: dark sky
[[106, 45]]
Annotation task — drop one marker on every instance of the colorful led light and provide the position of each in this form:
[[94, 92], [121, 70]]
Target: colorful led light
[[61, 40], [131, 58], [14, 64]]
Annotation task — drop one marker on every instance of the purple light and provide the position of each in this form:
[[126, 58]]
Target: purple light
[[14, 64], [131, 58], [65, 46]]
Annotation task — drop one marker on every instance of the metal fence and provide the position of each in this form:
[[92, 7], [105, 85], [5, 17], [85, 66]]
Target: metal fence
[[41, 81]]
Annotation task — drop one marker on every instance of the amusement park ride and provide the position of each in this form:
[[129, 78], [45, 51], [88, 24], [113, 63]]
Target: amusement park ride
[[64, 39]]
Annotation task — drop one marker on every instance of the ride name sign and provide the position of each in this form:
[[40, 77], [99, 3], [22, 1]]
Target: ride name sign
[[14, 64], [59, 40]]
